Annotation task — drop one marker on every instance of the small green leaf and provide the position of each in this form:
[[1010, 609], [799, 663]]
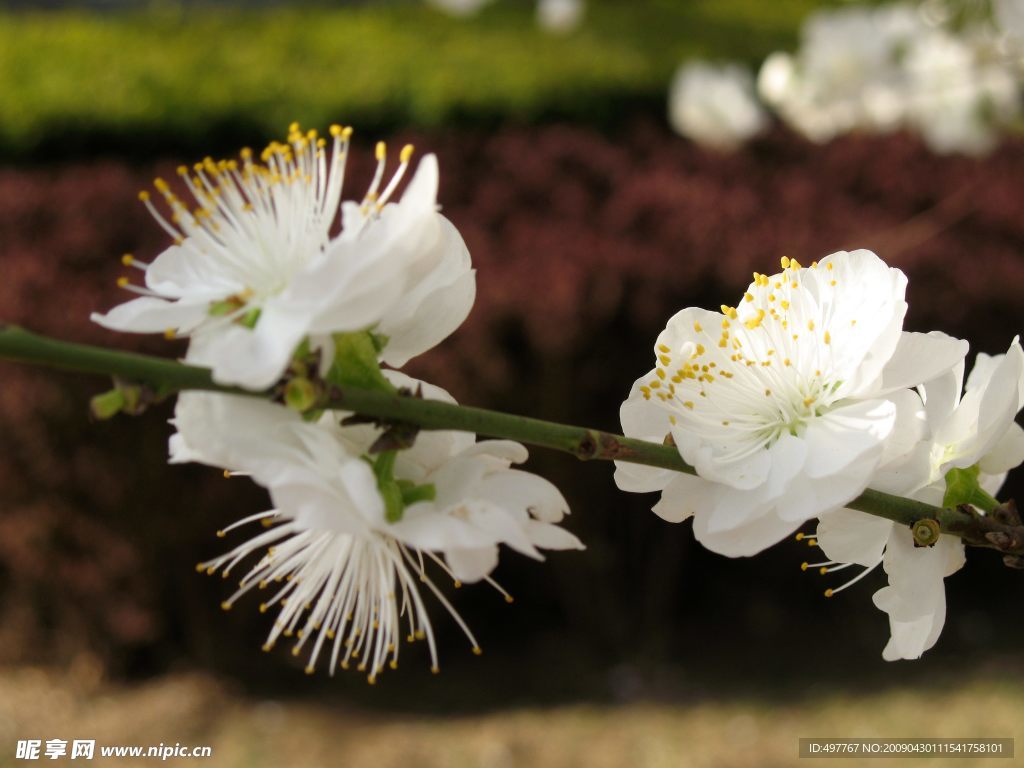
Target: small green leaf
[[962, 487]]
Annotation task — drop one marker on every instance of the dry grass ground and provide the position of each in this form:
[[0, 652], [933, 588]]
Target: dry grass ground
[[197, 710]]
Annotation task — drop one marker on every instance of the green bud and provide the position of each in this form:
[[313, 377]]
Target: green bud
[[926, 532], [300, 394], [107, 405], [355, 363]]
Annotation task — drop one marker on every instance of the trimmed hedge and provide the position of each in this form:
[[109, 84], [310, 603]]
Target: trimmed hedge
[[176, 78]]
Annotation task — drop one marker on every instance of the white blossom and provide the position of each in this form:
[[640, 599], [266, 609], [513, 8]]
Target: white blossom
[[783, 404], [343, 576], [257, 267], [715, 105], [954, 432]]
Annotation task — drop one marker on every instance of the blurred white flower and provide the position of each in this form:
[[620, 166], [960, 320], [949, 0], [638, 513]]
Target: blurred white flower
[[846, 74], [956, 101], [560, 16], [890, 67], [257, 268], [715, 105], [783, 404], [343, 569], [459, 7], [956, 432]]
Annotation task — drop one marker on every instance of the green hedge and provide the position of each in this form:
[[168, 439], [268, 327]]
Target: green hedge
[[192, 75]]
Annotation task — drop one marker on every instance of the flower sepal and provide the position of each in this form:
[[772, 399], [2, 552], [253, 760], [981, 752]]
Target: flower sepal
[[356, 362]]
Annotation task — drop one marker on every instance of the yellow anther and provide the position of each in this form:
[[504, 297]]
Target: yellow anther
[[767, 393], [296, 650], [828, 337], [794, 264], [344, 664], [336, 130], [264, 607], [725, 323], [170, 333], [804, 566], [697, 327], [372, 679], [509, 599], [293, 127], [700, 350], [814, 265], [748, 297], [200, 567], [785, 262], [143, 195], [122, 282], [784, 304], [420, 634], [268, 647], [810, 325], [380, 151], [309, 669], [786, 362], [664, 348], [161, 185], [435, 670], [823, 570], [688, 404], [808, 401], [828, 593], [406, 154], [393, 664], [799, 537], [831, 282], [477, 650], [457, 584], [665, 359], [660, 373], [829, 266], [226, 605]]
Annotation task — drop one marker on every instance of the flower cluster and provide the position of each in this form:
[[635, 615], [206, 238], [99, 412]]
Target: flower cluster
[[879, 69], [807, 392], [279, 283]]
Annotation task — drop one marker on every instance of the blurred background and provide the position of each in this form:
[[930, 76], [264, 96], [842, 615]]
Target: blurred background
[[590, 221]]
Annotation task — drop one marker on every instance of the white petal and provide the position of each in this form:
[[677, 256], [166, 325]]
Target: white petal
[[920, 358], [548, 536], [515, 489], [254, 358], [849, 536], [846, 435], [435, 304], [1006, 454], [148, 314], [470, 565], [748, 539], [676, 502]]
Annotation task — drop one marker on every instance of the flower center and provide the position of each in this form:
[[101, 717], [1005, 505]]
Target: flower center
[[764, 370]]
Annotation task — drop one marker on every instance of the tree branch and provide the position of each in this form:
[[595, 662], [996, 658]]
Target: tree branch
[[1002, 532]]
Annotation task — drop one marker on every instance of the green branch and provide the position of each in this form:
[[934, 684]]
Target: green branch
[[166, 376]]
